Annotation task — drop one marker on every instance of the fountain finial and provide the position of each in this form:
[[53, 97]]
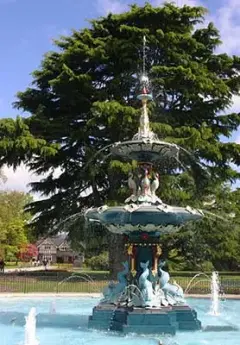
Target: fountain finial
[[145, 96]]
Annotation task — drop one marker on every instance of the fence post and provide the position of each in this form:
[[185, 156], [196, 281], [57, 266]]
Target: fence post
[[25, 284], [57, 283]]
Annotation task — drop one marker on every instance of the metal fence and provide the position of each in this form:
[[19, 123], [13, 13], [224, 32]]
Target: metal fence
[[75, 284]]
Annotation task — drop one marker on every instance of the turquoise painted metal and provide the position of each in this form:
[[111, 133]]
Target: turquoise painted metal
[[168, 319], [144, 300], [136, 217]]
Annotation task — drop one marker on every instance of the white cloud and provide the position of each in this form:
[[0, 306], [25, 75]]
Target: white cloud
[[20, 179], [235, 108], [110, 6], [227, 19]]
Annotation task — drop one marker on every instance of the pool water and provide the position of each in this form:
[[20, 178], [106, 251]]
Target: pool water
[[11, 334]]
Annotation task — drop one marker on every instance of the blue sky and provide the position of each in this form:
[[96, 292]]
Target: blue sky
[[27, 28]]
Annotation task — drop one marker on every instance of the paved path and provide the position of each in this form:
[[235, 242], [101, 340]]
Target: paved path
[[28, 269]]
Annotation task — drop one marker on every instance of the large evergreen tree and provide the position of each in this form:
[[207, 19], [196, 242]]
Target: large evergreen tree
[[83, 97]]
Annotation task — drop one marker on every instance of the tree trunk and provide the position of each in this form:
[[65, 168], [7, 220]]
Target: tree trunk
[[117, 254]]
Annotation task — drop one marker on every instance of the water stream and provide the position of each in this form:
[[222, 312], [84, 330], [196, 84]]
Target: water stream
[[84, 276], [215, 287], [189, 286], [30, 328], [215, 290]]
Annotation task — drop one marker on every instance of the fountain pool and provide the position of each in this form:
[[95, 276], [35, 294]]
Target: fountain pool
[[62, 328]]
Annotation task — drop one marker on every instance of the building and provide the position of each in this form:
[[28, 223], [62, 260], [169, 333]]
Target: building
[[57, 249]]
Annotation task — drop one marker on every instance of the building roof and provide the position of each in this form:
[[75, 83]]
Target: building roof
[[56, 240]]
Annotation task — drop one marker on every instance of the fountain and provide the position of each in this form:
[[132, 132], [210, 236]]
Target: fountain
[[144, 300], [30, 328]]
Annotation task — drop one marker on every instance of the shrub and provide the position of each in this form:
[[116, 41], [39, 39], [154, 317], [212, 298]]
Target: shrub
[[27, 252], [99, 263]]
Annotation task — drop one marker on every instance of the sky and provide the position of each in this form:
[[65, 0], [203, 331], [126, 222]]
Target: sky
[[27, 29]]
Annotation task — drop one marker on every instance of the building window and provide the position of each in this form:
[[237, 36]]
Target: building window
[[47, 247], [63, 248], [47, 258]]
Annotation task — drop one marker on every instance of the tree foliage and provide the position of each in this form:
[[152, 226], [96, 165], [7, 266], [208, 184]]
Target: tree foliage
[[83, 97], [13, 221], [99, 263], [214, 241], [27, 252]]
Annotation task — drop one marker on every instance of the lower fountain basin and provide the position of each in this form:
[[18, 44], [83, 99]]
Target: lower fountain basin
[[130, 218]]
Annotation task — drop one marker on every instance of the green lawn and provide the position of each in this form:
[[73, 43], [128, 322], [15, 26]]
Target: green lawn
[[32, 285], [75, 284]]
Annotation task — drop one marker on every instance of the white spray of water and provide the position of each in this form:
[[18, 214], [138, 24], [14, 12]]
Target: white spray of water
[[53, 307], [30, 328], [215, 287]]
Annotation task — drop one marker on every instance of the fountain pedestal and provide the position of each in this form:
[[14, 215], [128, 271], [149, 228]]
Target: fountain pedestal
[[167, 320], [144, 300]]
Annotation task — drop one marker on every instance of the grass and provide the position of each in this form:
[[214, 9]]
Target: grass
[[74, 284], [25, 284], [13, 265], [65, 278], [33, 285]]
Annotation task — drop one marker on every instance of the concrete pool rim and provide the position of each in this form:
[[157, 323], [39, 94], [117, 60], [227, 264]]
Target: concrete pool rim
[[95, 295]]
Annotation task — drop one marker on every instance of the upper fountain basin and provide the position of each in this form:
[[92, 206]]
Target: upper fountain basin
[[150, 218], [146, 149]]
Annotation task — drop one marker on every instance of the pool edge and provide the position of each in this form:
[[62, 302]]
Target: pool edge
[[92, 295]]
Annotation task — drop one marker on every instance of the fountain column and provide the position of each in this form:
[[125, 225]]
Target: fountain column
[[131, 256], [157, 251], [142, 248]]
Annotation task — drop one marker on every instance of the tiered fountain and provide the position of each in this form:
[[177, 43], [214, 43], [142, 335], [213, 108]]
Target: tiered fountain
[[144, 300]]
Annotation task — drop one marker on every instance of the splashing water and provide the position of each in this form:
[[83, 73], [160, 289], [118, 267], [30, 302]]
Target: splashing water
[[84, 276], [53, 307], [215, 287], [30, 328]]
